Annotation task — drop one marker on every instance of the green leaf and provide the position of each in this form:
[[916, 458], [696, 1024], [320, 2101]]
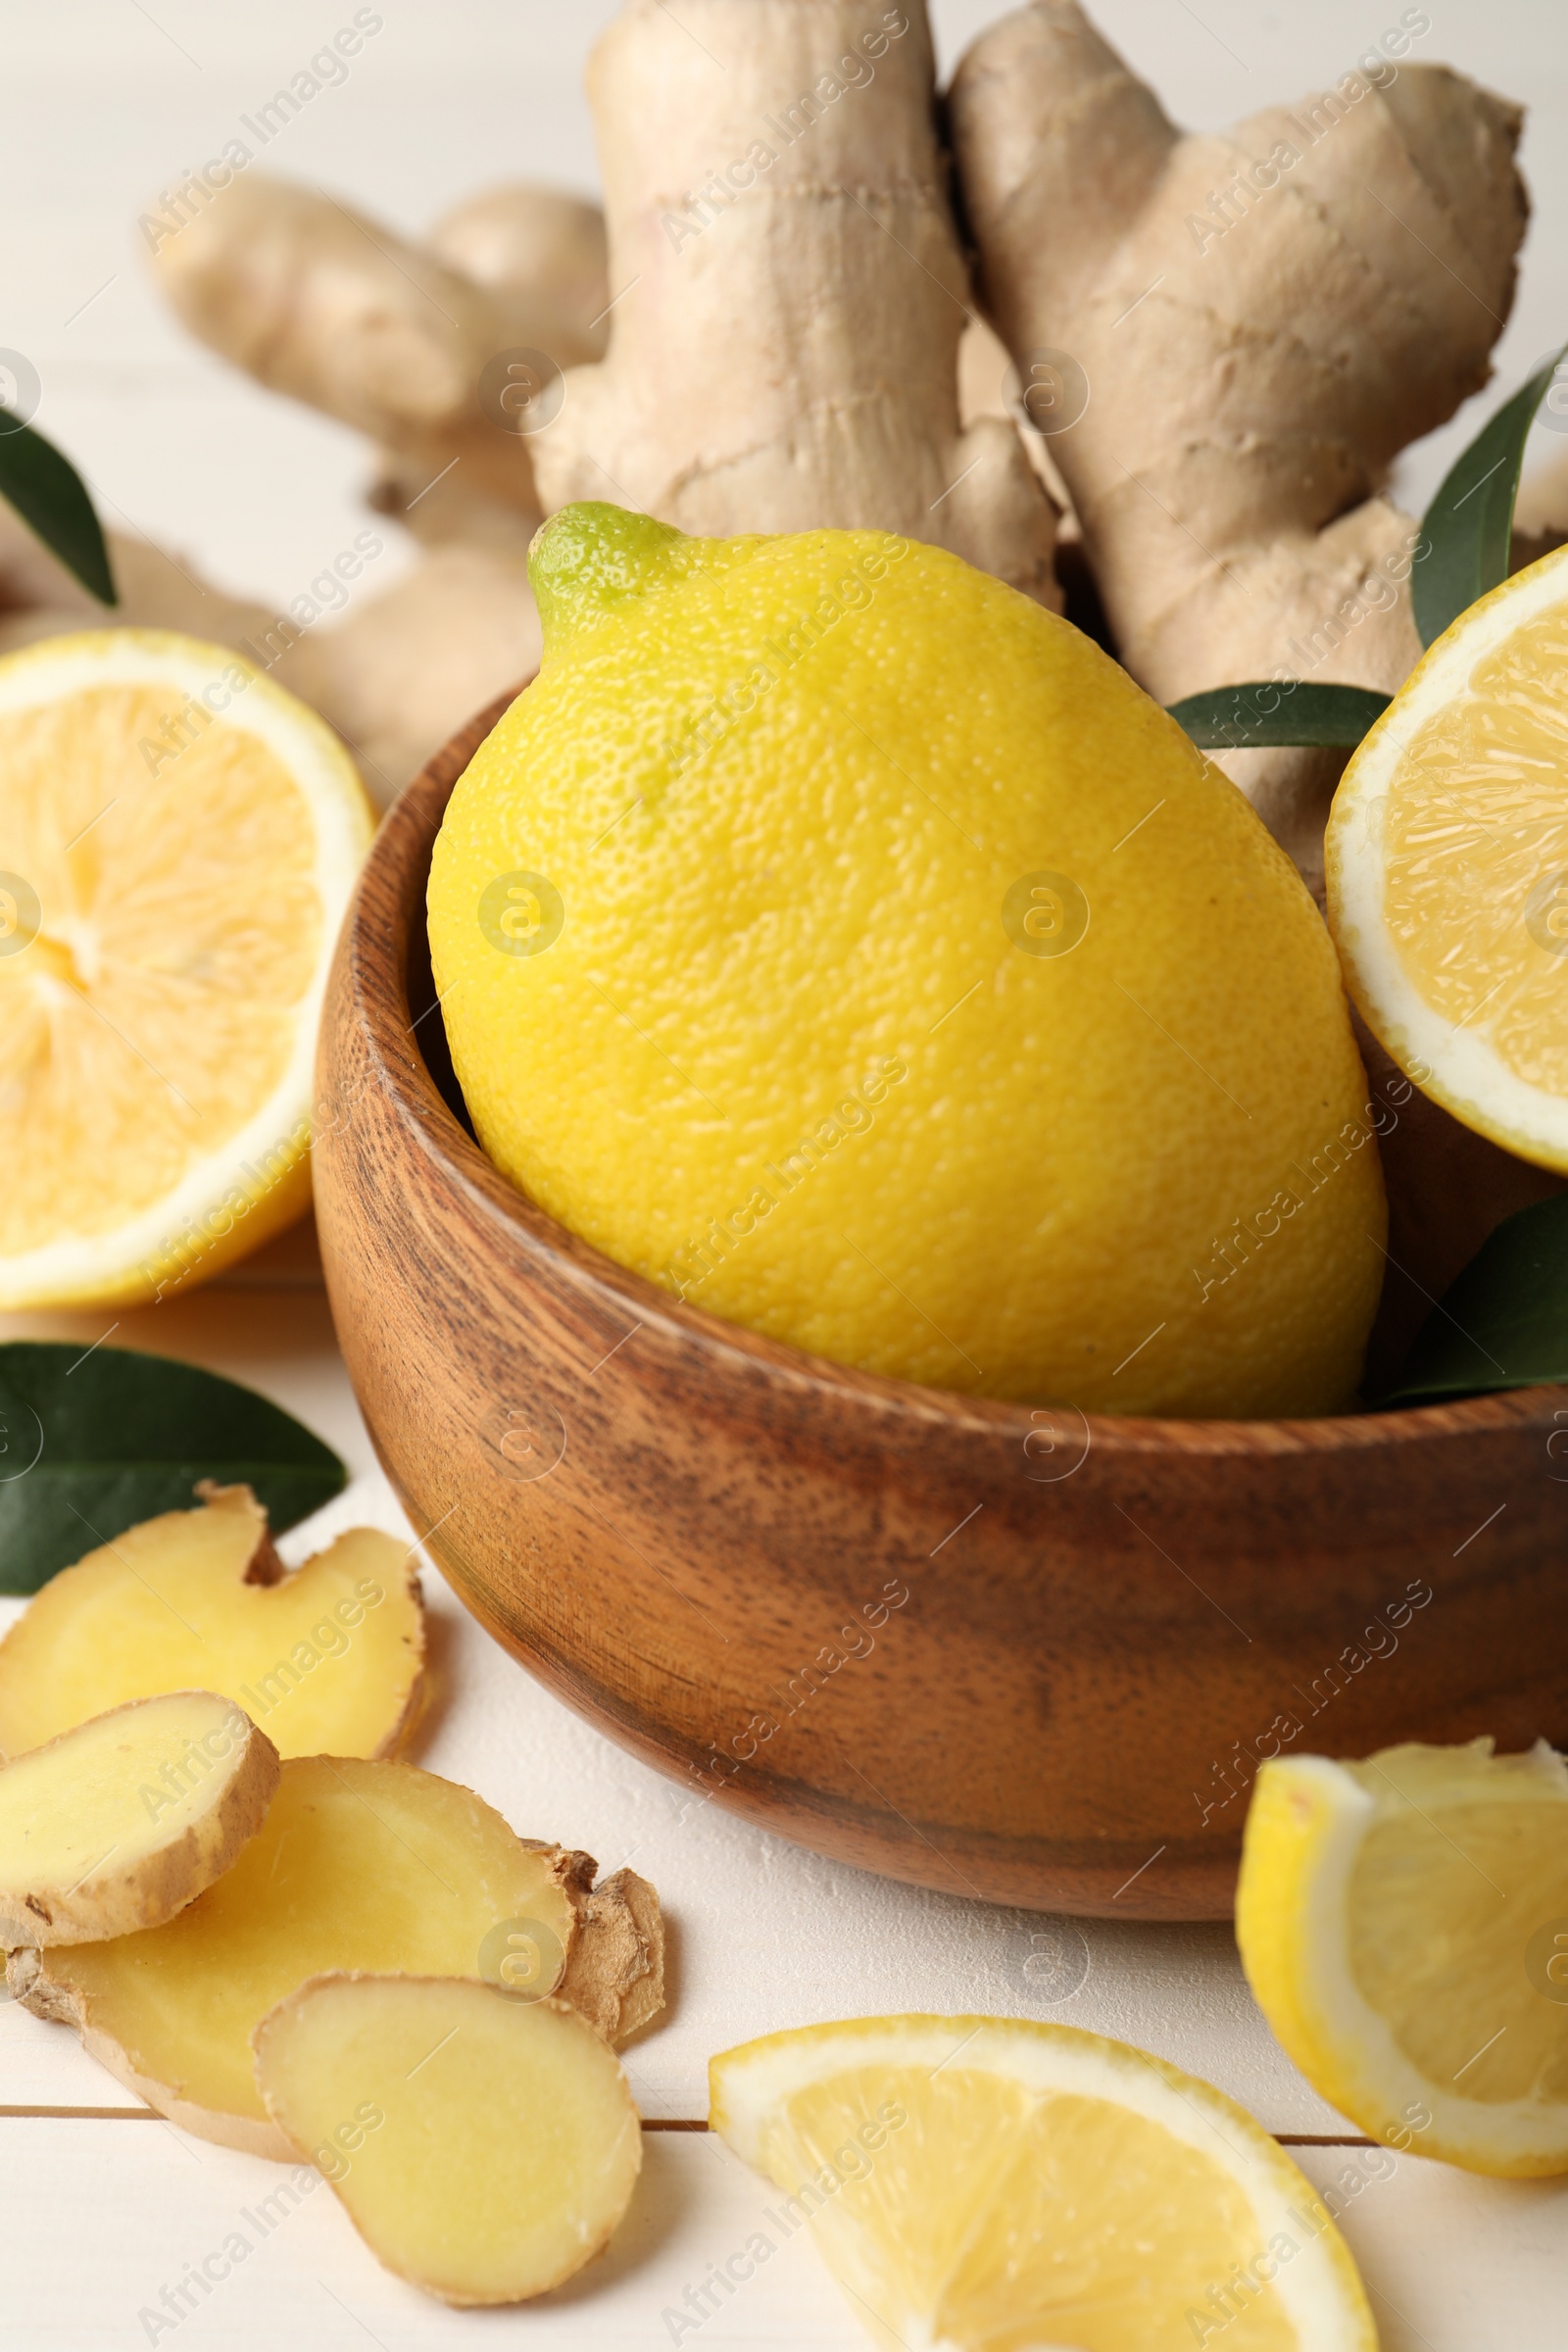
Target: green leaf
[[90, 1445], [1467, 528], [1501, 1324], [51, 498], [1256, 718]]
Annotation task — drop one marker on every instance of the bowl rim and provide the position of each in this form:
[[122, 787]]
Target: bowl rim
[[375, 959]]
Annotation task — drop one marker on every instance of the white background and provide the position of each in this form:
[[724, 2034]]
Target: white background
[[102, 103]]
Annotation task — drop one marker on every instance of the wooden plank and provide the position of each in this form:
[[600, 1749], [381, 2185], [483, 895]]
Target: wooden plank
[[114, 2219], [1451, 2263]]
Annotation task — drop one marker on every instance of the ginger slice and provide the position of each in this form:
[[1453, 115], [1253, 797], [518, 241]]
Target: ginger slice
[[330, 1660], [485, 2150], [357, 1865], [119, 1824]]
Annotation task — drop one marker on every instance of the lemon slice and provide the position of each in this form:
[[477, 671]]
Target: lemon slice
[[1448, 868], [178, 839], [981, 2182], [1404, 1926]]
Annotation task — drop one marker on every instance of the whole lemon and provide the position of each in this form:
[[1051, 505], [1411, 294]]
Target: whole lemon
[[844, 942]]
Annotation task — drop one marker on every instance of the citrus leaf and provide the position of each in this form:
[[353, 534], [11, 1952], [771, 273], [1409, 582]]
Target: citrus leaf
[[1467, 528], [90, 1445], [51, 498], [1503, 1323], [1256, 718]]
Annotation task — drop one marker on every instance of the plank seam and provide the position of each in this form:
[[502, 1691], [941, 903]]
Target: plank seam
[[650, 2123]]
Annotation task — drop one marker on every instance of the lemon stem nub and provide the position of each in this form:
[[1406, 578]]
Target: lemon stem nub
[[590, 559]]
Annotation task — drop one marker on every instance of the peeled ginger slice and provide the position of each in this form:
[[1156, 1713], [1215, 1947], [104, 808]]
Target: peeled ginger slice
[[379, 1867], [122, 1822], [484, 2148], [330, 1659]]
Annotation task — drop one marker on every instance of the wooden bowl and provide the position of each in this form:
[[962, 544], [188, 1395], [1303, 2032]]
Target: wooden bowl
[[1029, 1655]]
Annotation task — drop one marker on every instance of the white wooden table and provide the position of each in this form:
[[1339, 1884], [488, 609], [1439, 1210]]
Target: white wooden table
[[103, 2206]]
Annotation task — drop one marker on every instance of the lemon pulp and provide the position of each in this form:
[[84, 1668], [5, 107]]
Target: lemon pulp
[[177, 842], [1476, 823]]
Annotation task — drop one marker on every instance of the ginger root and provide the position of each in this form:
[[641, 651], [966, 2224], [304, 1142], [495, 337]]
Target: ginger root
[[788, 292], [1264, 319], [426, 349], [357, 1865], [119, 1824], [315, 300], [542, 243], [39, 598], [484, 2150], [329, 1658], [339, 312], [837, 289], [400, 674]]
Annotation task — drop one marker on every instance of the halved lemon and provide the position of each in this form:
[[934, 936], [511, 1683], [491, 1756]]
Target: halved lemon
[[989, 2184], [1404, 1923], [178, 839], [1448, 868]]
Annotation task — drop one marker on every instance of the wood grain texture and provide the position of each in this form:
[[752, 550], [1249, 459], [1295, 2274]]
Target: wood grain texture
[[672, 1522]]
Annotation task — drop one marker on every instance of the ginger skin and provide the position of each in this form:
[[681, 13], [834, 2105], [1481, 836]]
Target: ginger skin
[[789, 291], [1261, 336], [539, 242], [339, 312]]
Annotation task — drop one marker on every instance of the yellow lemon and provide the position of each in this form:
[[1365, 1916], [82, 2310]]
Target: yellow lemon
[[842, 941], [178, 839], [1404, 1923], [1448, 868], [979, 2182]]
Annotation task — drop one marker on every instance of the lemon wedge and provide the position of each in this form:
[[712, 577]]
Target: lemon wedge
[[1448, 868], [178, 840], [986, 2184], [1404, 1923]]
